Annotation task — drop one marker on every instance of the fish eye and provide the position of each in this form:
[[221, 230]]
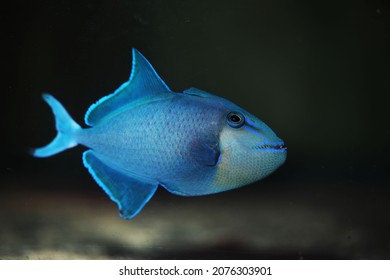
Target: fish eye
[[235, 119]]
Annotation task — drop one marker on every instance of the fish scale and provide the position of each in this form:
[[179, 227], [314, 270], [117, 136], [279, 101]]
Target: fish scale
[[151, 132], [144, 135]]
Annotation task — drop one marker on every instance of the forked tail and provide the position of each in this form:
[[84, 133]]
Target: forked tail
[[66, 128]]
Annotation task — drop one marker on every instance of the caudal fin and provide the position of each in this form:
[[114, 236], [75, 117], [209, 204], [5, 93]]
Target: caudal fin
[[66, 128]]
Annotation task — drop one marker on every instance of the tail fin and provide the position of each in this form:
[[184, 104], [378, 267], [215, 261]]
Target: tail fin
[[66, 128]]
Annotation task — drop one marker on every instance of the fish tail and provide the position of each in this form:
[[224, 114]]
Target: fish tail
[[66, 128]]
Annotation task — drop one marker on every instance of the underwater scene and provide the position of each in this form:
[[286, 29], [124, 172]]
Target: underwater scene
[[144, 129]]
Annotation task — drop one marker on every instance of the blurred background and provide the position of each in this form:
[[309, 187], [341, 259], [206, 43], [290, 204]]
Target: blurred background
[[317, 72]]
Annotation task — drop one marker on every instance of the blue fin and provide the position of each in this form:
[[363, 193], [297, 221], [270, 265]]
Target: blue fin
[[131, 195], [66, 128], [197, 92], [144, 82], [206, 152]]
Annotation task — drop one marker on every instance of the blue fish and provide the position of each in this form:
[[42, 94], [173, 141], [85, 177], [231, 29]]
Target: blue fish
[[144, 135]]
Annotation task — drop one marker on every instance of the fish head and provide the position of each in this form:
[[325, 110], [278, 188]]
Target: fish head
[[250, 150]]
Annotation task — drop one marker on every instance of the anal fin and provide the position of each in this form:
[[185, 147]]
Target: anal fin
[[130, 194]]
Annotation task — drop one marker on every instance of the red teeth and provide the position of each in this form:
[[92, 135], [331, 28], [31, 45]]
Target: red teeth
[[276, 147]]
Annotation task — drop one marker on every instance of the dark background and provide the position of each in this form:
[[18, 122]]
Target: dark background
[[317, 73]]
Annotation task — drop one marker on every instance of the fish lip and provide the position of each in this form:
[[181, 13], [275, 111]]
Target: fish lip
[[275, 147]]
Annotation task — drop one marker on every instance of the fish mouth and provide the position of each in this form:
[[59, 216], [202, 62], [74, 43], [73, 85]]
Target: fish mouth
[[279, 147]]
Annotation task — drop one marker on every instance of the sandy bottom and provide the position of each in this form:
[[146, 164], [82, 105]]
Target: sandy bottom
[[299, 222]]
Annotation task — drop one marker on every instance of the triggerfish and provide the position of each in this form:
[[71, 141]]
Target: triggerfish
[[144, 135]]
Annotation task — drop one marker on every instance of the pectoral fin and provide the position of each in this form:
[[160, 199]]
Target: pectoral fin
[[130, 194], [206, 152]]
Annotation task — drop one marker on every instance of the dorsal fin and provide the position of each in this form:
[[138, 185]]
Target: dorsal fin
[[144, 82], [197, 92]]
